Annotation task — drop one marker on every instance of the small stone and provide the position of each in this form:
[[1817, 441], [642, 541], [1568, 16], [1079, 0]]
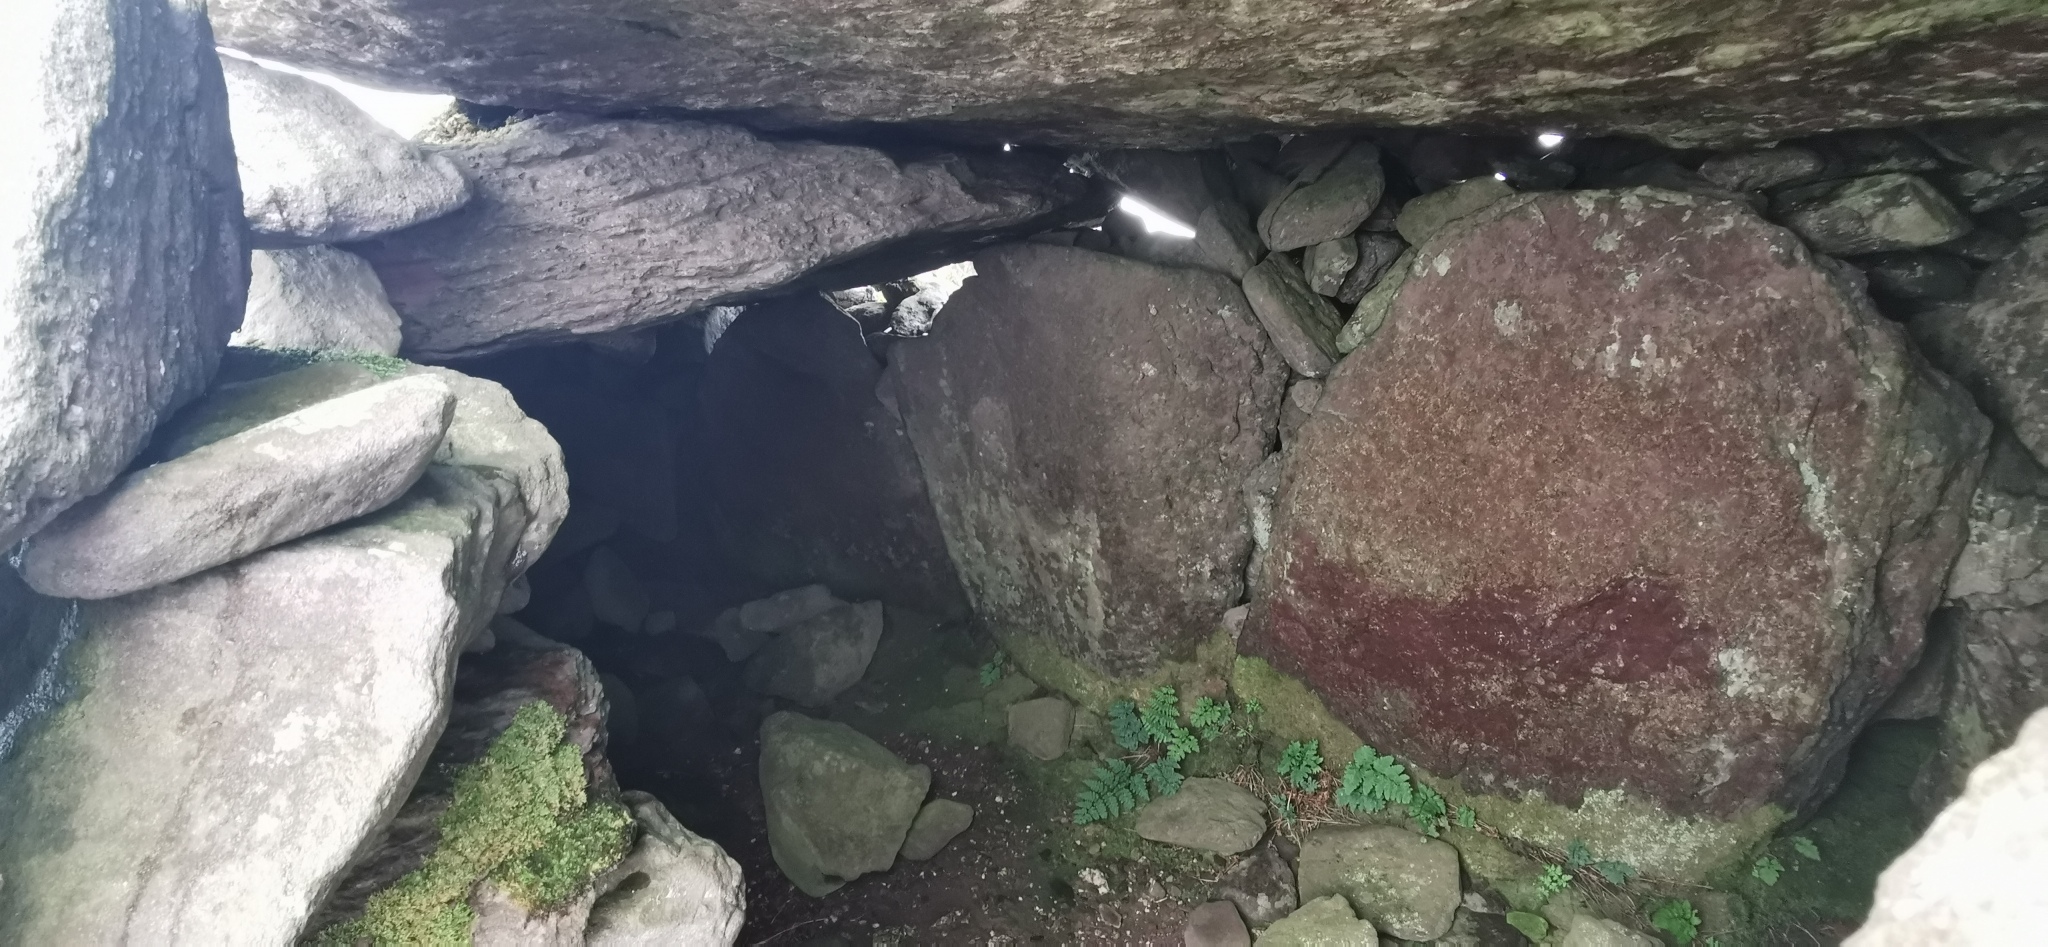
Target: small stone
[[1261, 885], [318, 299], [1216, 924], [1323, 922], [1326, 264], [1997, 343], [1668, 175], [1875, 151], [675, 887], [1376, 253], [1918, 276], [1327, 205], [1295, 410], [1407, 885], [936, 825], [616, 595], [1302, 325], [818, 659], [1981, 245], [732, 636], [786, 608], [1372, 311], [1011, 689], [2000, 146], [1225, 236], [1259, 490], [1873, 214], [1041, 727], [1982, 191], [1212, 815], [839, 805], [1425, 215], [1600, 932], [1763, 168]]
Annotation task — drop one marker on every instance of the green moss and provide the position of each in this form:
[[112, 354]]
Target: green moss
[[1907, 19], [245, 363], [519, 817]]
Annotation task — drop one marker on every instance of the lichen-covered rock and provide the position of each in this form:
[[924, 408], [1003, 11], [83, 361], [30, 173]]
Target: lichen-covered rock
[[817, 659], [1406, 885], [1324, 922], [936, 825], [585, 225], [317, 299], [1083, 423], [1422, 217], [1997, 343], [1371, 314], [1212, 815], [673, 888], [1873, 214], [839, 804], [1138, 72], [1763, 168], [1302, 325], [315, 169], [124, 267], [1709, 497], [320, 465]]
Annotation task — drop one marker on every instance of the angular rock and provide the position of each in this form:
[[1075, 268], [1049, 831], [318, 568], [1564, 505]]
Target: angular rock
[[1763, 168], [1972, 877], [1302, 325], [675, 887], [1083, 423], [1601, 932], [2000, 146], [1875, 151], [273, 483], [1327, 203], [1323, 922], [1041, 727], [616, 595], [125, 267], [839, 805], [1422, 217], [318, 299], [1212, 815], [1981, 191], [1918, 276], [299, 689], [1215, 924], [1405, 884], [1159, 73], [815, 660], [936, 825], [1704, 610], [1376, 253], [1227, 240], [1295, 410], [490, 431], [1873, 214], [233, 407], [1326, 264], [732, 635], [1981, 245], [315, 169], [1997, 344], [585, 225], [1371, 314], [1261, 885]]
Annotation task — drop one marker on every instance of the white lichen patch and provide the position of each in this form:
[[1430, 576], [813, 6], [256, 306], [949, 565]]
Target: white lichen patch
[[1442, 264], [1630, 280], [1507, 317], [1608, 242], [1740, 674]]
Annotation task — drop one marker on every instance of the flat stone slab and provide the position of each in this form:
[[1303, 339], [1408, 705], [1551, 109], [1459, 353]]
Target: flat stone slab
[[1213, 815]]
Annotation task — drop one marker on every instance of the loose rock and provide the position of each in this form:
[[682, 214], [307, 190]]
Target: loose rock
[[936, 825], [1422, 217], [839, 805], [1216, 924], [1600, 932], [813, 661], [318, 299], [787, 608], [1764, 168], [1873, 214], [1041, 727], [1323, 922], [674, 887], [1997, 344], [1261, 885], [1405, 884], [1225, 236], [1303, 325], [1376, 254], [1212, 815], [1371, 314], [1328, 204], [1326, 264], [1919, 276]]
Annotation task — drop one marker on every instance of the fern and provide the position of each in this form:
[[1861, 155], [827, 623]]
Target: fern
[[1161, 714], [1112, 790], [1164, 775], [993, 670], [1209, 716], [1617, 873], [1805, 847], [1467, 819], [1553, 880], [1285, 807], [1371, 781], [1427, 810], [1767, 869], [1577, 855], [1678, 919], [1125, 726], [1302, 765]]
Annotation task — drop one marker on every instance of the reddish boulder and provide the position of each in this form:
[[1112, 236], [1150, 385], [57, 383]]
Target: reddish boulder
[[1630, 493], [1084, 423]]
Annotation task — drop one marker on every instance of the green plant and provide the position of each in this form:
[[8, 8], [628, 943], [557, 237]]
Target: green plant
[[1427, 809], [1371, 781], [1617, 873], [1712, 942], [1577, 855], [1164, 775], [1553, 880], [1805, 847], [1209, 716], [1532, 926], [1112, 790], [1161, 717], [1248, 718], [1301, 764], [1467, 819], [993, 670], [1125, 726], [1285, 808], [1678, 919], [1767, 869]]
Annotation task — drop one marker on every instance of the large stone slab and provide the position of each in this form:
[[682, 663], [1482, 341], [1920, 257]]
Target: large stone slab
[[584, 226], [1629, 495], [318, 299], [1084, 422], [1165, 72], [1997, 344], [316, 169], [125, 267]]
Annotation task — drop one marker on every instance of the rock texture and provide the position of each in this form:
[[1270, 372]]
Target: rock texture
[[1160, 71], [1973, 877], [278, 481], [319, 299], [839, 805], [1406, 885], [1324, 922], [936, 825], [316, 169], [817, 659], [1041, 727], [1084, 423], [1997, 344], [673, 888], [583, 226], [1640, 464], [124, 266], [1212, 815], [1215, 924]]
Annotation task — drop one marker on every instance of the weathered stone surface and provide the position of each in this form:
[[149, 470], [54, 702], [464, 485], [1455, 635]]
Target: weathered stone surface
[[1376, 253], [1215, 924], [1710, 495], [1997, 344], [316, 169], [1295, 410], [1601, 932], [1763, 168], [1083, 423], [1227, 240], [1302, 325], [278, 481], [1422, 217], [1325, 202], [839, 805], [1212, 815], [936, 825], [239, 735], [786, 608], [1371, 314], [1323, 922], [233, 407], [675, 887], [812, 477], [582, 225], [1261, 885], [815, 660], [1405, 884], [2001, 147], [1041, 727], [490, 431], [125, 267], [1873, 214], [1327, 263], [317, 298], [1918, 276], [1974, 877], [1146, 72]]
